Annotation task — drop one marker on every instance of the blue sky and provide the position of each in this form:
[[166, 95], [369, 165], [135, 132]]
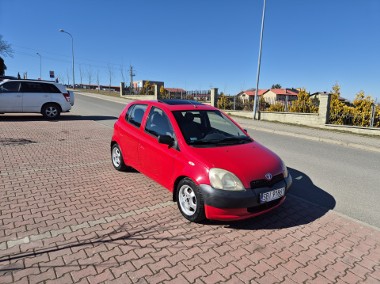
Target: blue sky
[[198, 44]]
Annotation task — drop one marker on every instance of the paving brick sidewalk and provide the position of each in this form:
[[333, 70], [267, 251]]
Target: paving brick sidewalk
[[67, 216]]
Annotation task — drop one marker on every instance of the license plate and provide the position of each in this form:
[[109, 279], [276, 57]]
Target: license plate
[[272, 195]]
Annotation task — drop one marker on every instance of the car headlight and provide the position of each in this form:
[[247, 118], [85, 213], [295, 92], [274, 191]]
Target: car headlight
[[225, 180], [285, 170]]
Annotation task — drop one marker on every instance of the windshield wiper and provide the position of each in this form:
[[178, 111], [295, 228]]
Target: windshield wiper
[[238, 139], [203, 142], [227, 140]]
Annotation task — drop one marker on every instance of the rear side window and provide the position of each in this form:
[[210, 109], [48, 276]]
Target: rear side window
[[50, 88], [10, 87], [135, 114]]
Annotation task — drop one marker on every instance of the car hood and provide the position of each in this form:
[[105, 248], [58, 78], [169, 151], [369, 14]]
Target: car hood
[[248, 162]]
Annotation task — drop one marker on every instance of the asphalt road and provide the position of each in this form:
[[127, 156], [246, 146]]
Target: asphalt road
[[338, 178]]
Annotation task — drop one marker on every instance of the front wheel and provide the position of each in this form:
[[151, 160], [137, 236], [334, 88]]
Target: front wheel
[[190, 201], [117, 158], [51, 111]]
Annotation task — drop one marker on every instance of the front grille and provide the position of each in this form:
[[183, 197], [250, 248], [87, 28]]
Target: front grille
[[266, 183], [264, 206]]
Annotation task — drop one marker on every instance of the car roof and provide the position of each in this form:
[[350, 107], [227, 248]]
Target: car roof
[[31, 80], [178, 105], [61, 87]]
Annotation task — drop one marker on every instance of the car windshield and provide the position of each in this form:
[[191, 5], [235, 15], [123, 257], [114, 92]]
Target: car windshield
[[209, 128]]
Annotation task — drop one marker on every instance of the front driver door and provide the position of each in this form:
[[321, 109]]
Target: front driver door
[[157, 160]]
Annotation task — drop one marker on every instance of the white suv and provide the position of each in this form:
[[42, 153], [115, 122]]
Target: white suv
[[45, 97]]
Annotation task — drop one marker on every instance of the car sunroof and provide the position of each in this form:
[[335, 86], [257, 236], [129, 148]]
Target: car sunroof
[[180, 102]]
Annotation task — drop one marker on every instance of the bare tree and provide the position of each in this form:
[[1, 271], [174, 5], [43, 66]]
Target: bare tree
[[89, 74], [97, 79], [81, 75], [110, 73], [122, 73], [68, 76], [5, 48], [61, 79]]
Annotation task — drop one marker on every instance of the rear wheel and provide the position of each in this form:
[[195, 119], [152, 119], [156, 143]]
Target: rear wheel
[[51, 111], [190, 201], [117, 158]]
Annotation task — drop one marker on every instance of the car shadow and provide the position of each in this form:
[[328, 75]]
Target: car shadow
[[304, 204], [64, 117]]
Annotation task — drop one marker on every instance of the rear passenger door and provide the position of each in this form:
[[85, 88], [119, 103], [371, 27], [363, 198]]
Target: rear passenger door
[[35, 95], [130, 134], [10, 97]]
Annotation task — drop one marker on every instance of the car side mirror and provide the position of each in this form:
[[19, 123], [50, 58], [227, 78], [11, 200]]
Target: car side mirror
[[166, 139]]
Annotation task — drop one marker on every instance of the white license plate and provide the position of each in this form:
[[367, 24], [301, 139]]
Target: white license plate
[[272, 195]]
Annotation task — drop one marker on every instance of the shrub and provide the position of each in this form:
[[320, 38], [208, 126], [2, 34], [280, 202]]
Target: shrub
[[303, 103], [223, 102], [277, 106], [359, 114]]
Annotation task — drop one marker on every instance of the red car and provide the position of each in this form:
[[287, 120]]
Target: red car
[[212, 166]]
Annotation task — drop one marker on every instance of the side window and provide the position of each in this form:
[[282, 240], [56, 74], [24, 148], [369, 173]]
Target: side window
[[31, 87], [10, 87], [158, 123], [135, 114]]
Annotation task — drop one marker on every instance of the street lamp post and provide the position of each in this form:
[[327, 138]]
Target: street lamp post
[[40, 64], [259, 63], [72, 51]]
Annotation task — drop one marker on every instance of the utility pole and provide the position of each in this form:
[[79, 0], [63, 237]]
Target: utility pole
[[259, 63], [131, 74]]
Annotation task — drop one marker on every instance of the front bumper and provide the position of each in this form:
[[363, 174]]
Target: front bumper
[[238, 205]]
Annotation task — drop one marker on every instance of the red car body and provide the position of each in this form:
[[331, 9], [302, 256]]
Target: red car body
[[260, 171]]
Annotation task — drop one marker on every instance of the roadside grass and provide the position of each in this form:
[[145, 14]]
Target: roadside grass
[[100, 92]]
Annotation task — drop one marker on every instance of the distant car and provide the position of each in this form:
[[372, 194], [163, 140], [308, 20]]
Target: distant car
[[213, 167], [45, 97]]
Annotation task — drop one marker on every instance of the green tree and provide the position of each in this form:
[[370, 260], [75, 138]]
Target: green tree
[[224, 102], [303, 103], [147, 89], [363, 108], [276, 86], [163, 93], [336, 106]]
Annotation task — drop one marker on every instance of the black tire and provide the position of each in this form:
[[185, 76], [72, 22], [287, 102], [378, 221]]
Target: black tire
[[190, 201], [117, 158], [51, 111]]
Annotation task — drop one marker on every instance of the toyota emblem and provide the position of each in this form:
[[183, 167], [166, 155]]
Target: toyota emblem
[[268, 176]]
